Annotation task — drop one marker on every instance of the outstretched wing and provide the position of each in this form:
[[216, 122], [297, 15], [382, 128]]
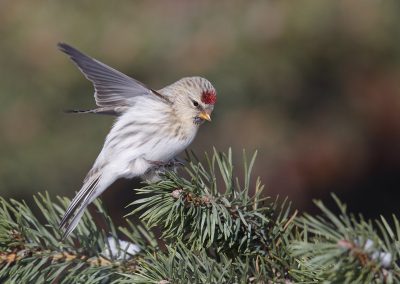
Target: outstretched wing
[[112, 88]]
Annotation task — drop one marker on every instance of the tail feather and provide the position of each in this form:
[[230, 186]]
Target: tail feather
[[75, 210], [83, 192], [73, 223]]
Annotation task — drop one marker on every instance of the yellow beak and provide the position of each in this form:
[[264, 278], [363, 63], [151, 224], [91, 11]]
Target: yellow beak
[[205, 116]]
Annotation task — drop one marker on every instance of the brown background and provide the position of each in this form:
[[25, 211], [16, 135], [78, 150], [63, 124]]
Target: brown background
[[313, 85]]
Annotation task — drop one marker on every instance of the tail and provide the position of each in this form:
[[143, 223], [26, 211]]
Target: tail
[[89, 191]]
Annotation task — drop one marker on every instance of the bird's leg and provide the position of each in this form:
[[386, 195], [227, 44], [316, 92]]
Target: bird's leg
[[173, 163], [159, 167], [176, 162]]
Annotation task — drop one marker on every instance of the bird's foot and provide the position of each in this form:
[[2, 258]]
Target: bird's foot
[[158, 168], [171, 164]]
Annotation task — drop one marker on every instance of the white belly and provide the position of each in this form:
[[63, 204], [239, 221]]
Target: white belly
[[167, 149], [142, 136]]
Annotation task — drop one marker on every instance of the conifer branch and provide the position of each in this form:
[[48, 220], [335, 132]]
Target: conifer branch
[[33, 253], [220, 219], [346, 248], [200, 213], [215, 230]]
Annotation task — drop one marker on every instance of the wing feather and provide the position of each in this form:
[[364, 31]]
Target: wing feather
[[112, 88]]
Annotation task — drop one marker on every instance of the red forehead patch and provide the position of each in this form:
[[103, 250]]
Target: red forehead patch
[[209, 97]]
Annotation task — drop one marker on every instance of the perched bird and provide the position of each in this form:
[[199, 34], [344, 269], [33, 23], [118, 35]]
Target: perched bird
[[151, 128]]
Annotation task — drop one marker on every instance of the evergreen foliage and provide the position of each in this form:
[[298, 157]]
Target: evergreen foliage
[[214, 229], [346, 248]]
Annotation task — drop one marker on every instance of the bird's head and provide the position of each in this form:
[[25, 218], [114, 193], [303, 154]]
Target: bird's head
[[193, 98]]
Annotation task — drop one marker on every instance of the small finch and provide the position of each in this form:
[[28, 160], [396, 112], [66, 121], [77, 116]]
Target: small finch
[[151, 128]]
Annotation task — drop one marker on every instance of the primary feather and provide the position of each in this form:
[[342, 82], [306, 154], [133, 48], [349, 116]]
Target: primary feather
[[152, 127], [113, 89]]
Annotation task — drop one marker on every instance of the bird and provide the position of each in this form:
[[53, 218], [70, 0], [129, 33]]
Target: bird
[[151, 127]]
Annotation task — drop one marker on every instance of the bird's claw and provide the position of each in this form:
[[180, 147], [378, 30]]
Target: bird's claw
[[159, 167], [177, 162], [171, 164]]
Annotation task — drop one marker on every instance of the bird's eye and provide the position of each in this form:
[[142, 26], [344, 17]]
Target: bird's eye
[[196, 104]]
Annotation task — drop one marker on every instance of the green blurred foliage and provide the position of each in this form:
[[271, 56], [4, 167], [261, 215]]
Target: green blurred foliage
[[314, 85]]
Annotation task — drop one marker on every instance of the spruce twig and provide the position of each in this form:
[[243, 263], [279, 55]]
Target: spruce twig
[[347, 249], [31, 252]]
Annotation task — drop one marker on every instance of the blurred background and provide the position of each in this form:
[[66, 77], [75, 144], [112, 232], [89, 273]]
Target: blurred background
[[313, 85]]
